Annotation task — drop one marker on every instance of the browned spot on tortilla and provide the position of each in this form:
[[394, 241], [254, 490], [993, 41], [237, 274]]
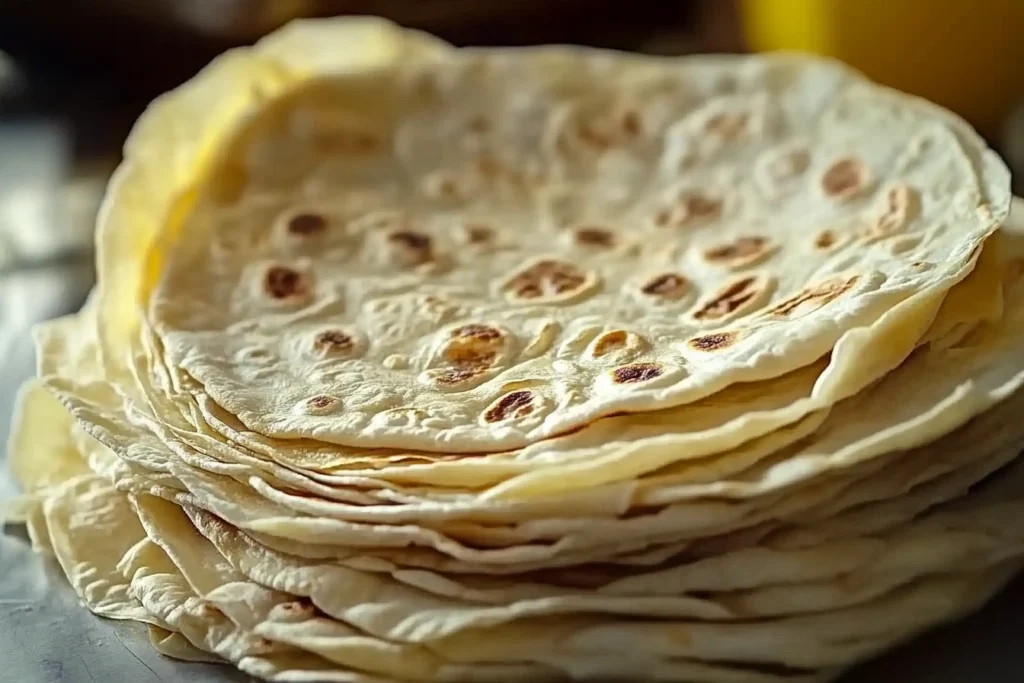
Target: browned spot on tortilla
[[662, 218], [814, 297], [594, 237], [631, 123], [594, 138], [713, 342], [845, 179], [478, 233], [701, 206], [825, 239], [479, 124], [512, 405], [488, 166], [692, 207], [411, 247], [459, 375], [744, 251], [306, 224], [727, 125], [446, 187], [334, 342], [469, 351], [637, 372], [321, 401], [609, 342], [547, 279], [902, 205], [669, 286], [477, 332], [281, 282], [732, 297]]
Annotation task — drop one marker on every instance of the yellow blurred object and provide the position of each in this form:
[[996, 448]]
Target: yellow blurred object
[[967, 55]]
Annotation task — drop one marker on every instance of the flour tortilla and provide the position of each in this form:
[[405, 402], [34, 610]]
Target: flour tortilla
[[967, 391], [231, 166], [552, 541], [618, 448], [610, 499]]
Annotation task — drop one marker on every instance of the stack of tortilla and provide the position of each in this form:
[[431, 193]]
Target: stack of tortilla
[[417, 363]]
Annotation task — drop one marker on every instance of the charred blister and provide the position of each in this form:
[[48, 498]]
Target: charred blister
[[716, 341], [286, 284], [692, 208], [321, 404], [666, 287], [902, 204], [456, 377], [813, 298], [514, 405], [742, 252], [635, 373], [305, 224], [473, 344], [478, 234], [738, 297], [410, 247], [467, 355], [336, 343], [845, 179], [594, 237], [825, 240], [549, 281]]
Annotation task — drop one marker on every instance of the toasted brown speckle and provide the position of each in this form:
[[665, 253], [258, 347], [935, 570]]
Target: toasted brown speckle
[[594, 237], [547, 279], [412, 248], [744, 251], [511, 405], [631, 123], [669, 286], [477, 233], [637, 372], [320, 402], [334, 342], [305, 224], [814, 297], [713, 342], [825, 239], [731, 298], [281, 282], [845, 179]]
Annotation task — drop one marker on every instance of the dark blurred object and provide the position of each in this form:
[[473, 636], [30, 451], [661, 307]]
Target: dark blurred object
[[98, 63], [142, 48]]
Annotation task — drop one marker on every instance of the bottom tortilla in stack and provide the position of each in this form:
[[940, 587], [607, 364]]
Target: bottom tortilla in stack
[[898, 510]]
